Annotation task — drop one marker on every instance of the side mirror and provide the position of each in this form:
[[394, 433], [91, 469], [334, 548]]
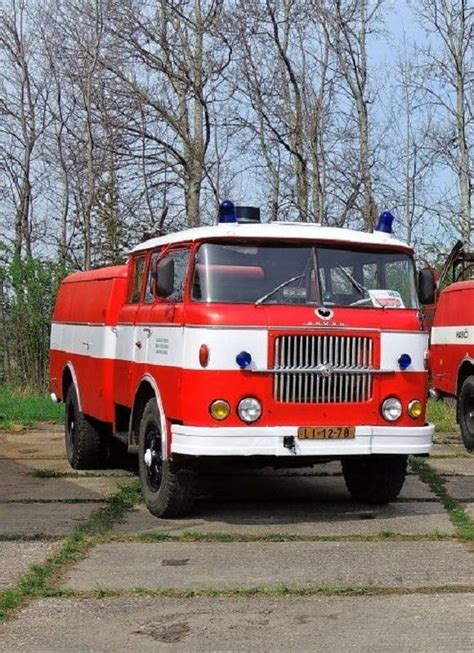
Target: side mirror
[[426, 287], [164, 277]]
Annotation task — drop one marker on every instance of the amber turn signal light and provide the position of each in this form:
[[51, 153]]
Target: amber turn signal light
[[415, 408], [219, 409]]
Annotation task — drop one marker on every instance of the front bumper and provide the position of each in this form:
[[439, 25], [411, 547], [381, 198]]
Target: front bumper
[[268, 441]]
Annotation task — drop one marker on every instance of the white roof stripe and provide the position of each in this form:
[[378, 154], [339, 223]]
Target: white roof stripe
[[275, 230]]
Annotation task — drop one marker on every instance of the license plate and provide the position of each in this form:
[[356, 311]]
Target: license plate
[[326, 433]]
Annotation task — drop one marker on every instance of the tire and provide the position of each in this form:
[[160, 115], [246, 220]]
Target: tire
[[466, 412], [168, 487], [83, 438], [375, 479]]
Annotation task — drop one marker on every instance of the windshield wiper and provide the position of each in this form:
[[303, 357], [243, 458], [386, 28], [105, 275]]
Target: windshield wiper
[[358, 286], [260, 300]]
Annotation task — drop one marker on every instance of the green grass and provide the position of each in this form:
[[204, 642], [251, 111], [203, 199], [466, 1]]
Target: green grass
[[461, 521], [39, 580], [22, 409], [443, 415], [53, 473], [280, 590], [196, 536]]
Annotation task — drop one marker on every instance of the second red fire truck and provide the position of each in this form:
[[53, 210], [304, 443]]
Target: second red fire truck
[[289, 343], [452, 341]]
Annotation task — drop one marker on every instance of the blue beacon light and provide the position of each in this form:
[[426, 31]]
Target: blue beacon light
[[385, 222], [227, 212], [404, 361], [243, 359]]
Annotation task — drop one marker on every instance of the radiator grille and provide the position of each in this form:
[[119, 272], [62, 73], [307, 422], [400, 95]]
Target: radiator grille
[[295, 354]]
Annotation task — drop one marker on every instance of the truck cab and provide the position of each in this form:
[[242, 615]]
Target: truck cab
[[282, 343]]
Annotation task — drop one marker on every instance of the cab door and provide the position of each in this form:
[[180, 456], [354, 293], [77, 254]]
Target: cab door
[[144, 332], [167, 317], [129, 350]]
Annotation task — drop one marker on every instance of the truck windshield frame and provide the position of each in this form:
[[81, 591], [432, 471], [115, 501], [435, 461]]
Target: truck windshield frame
[[283, 273]]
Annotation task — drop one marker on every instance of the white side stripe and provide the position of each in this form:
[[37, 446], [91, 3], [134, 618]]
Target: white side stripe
[[453, 335], [394, 344], [176, 346], [224, 346], [162, 345], [97, 341]]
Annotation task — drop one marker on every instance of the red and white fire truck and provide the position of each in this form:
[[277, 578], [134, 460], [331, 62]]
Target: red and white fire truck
[[452, 342], [288, 343]]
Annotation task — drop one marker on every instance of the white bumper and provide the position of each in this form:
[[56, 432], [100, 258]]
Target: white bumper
[[268, 441]]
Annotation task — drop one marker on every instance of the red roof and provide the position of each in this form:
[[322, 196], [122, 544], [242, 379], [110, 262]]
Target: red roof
[[460, 285], [112, 272]]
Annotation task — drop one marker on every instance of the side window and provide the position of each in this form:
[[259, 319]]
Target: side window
[[149, 296], [180, 258], [137, 279]]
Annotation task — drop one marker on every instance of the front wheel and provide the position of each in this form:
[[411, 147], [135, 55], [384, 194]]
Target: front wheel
[[375, 479], [167, 486], [466, 412]]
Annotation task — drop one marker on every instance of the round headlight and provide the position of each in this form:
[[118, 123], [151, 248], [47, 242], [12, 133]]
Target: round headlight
[[415, 408], [391, 409], [249, 409], [219, 409]]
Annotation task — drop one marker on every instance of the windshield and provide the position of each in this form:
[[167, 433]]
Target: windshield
[[265, 273]]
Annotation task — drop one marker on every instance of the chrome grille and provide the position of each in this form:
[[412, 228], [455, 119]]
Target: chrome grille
[[347, 356]]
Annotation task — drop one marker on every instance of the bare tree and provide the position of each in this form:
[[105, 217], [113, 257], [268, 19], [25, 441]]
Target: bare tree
[[83, 144], [408, 165], [22, 95], [176, 62], [348, 24], [447, 85], [284, 75]]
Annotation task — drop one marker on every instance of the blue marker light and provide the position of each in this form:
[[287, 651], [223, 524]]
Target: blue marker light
[[227, 211], [385, 222], [404, 361], [243, 359]]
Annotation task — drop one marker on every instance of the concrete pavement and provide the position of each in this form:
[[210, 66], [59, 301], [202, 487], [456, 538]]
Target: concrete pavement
[[374, 624], [408, 579]]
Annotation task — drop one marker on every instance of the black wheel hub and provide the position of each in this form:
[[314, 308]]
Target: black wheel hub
[[469, 413], [71, 427], [152, 459]]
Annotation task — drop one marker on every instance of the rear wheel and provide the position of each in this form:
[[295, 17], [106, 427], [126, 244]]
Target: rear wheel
[[375, 479], [167, 486], [83, 437], [466, 412]]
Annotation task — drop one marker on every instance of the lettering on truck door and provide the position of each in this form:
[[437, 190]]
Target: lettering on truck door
[[165, 317]]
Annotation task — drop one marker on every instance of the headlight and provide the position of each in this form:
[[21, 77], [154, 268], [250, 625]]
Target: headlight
[[249, 409], [391, 409], [415, 408], [219, 409]]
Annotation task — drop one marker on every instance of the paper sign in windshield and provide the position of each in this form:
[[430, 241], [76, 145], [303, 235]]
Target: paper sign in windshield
[[386, 298]]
